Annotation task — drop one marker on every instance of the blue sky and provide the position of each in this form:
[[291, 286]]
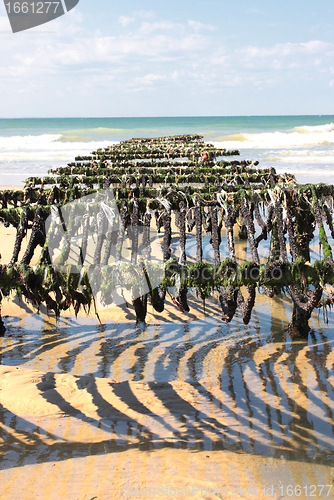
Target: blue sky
[[175, 58]]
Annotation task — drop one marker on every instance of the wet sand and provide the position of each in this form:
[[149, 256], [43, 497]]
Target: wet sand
[[111, 410], [100, 411]]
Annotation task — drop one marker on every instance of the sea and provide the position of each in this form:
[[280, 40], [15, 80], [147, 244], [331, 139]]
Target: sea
[[299, 145]]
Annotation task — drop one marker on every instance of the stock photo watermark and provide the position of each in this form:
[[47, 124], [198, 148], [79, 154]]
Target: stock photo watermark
[[119, 255], [24, 15], [196, 490], [163, 490]]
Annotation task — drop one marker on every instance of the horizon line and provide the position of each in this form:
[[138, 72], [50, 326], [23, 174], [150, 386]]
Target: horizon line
[[150, 117]]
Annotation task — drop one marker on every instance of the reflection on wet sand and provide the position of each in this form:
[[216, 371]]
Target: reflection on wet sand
[[223, 404]]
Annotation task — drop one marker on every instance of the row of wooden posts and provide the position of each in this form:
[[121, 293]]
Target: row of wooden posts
[[158, 182]]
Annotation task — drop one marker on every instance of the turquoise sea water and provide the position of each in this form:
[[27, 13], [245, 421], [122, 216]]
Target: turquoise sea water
[[302, 145]]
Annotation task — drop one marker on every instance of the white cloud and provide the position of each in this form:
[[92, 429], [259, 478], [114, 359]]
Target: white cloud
[[38, 56], [148, 53], [316, 46], [125, 21], [4, 24], [146, 28], [197, 26], [140, 14], [144, 14], [148, 82], [288, 49]]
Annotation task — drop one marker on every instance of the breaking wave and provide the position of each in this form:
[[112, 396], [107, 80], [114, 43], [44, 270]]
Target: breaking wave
[[297, 137]]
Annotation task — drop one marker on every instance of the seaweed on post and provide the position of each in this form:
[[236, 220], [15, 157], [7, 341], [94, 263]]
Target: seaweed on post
[[146, 235], [303, 305], [166, 218], [121, 232], [214, 235], [100, 224], [37, 236], [198, 224], [250, 229], [20, 234], [183, 289], [134, 232]]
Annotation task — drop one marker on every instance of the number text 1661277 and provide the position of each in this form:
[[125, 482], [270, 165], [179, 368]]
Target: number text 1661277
[[32, 7]]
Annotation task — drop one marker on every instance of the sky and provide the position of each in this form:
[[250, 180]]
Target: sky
[[175, 58]]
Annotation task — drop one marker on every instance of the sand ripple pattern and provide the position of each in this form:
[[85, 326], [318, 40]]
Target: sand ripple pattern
[[198, 386]]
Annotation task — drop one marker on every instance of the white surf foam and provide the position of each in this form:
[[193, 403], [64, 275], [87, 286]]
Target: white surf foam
[[28, 141], [45, 147], [329, 127], [321, 135]]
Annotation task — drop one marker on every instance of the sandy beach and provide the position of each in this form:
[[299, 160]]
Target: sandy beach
[[184, 406], [79, 420]]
